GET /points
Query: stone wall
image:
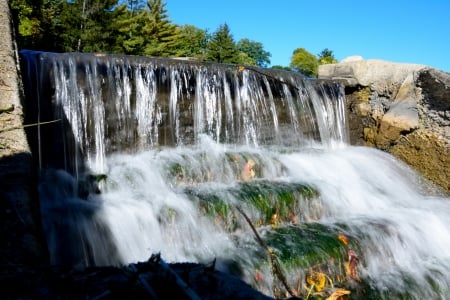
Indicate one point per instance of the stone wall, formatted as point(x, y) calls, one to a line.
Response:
point(20, 230)
point(403, 109)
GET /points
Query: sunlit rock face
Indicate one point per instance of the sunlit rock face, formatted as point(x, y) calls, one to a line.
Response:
point(401, 108)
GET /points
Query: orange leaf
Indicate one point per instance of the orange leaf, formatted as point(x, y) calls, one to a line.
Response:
point(337, 294)
point(343, 239)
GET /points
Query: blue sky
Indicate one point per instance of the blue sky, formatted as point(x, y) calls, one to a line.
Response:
point(396, 30)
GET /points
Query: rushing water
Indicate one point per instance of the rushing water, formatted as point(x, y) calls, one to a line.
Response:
point(174, 140)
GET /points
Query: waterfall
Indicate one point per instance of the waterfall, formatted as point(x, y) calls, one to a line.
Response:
point(153, 155)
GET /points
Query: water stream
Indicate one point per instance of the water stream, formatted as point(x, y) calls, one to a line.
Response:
point(154, 156)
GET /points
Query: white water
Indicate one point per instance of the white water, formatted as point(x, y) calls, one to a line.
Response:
point(404, 234)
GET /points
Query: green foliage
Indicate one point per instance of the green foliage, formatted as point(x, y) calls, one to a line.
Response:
point(193, 42)
point(222, 47)
point(278, 67)
point(304, 62)
point(26, 15)
point(307, 245)
point(126, 27)
point(326, 57)
point(254, 51)
point(138, 27)
point(85, 25)
point(159, 33)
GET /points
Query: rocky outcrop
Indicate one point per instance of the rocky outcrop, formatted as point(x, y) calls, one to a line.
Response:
point(20, 234)
point(400, 108)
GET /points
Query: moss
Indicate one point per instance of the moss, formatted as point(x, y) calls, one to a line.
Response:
point(307, 252)
point(307, 245)
point(275, 201)
point(272, 203)
point(362, 95)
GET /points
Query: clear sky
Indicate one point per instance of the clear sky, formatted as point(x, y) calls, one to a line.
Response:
point(414, 31)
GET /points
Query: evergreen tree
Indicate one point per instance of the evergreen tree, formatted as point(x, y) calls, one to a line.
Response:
point(127, 27)
point(326, 57)
point(134, 6)
point(159, 33)
point(222, 47)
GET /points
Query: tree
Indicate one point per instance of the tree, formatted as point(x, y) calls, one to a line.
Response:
point(134, 6)
point(26, 14)
point(304, 62)
point(242, 58)
point(222, 47)
point(255, 51)
point(279, 67)
point(159, 33)
point(326, 57)
point(192, 42)
point(86, 25)
point(127, 27)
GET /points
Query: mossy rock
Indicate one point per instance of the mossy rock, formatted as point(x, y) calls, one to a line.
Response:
point(277, 202)
point(314, 258)
point(266, 202)
point(309, 244)
point(226, 167)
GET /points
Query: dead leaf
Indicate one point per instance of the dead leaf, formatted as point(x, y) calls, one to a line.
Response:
point(338, 294)
point(343, 239)
point(248, 171)
point(316, 279)
point(352, 264)
point(258, 276)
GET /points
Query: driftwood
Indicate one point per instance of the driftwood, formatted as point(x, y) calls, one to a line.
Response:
point(274, 263)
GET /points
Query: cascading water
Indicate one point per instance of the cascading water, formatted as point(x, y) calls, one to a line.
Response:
point(154, 155)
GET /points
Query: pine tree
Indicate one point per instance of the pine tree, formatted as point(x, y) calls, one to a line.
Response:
point(159, 33)
point(222, 47)
point(127, 27)
point(326, 56)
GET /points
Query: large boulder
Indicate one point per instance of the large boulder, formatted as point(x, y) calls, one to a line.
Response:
point(400, 108)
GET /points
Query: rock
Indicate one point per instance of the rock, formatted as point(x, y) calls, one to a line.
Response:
point(400, 108)
point(352, 58)
point(20, 231)
point(153, 279)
